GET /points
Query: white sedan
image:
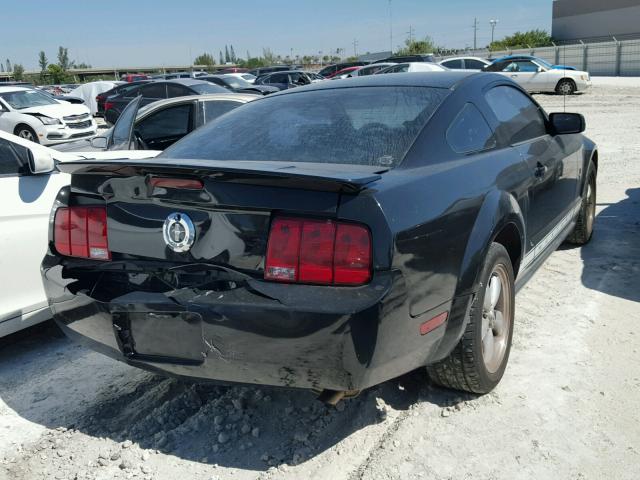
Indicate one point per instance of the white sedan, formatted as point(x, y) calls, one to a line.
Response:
point(413, 67)
point(537, 75)
point(35, 116)
point(29, 184)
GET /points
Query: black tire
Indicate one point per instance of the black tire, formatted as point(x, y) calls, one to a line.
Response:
point(566, 86)
point(26, 132)
point(583, 231)
point(466, 368)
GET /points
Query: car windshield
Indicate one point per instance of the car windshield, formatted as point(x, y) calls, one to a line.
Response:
point(235, 82)
point(27, 99)
point(363, 126)
point(204, 88)
point(248, 76)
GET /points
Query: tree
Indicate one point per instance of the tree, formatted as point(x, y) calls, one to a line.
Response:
point(416, 47)
point(227, 58)
point(529, 39)
point(63, 58)
point(232, 54)
point(221, 58)
point(1, 67)
point(81, 65)
point(58, 75)
point(18, 72)
point(43, 61)
point(9, 68)
point(204, 59)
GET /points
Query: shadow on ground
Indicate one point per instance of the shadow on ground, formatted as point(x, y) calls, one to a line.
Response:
point(611, 260)
point(233, 426)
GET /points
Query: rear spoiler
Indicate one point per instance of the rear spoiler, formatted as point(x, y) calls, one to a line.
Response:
point(312, 176)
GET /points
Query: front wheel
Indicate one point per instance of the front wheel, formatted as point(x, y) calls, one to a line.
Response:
point(566, 87)
point(26, 132)
point(478, 362)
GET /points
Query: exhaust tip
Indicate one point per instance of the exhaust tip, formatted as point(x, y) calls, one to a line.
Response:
point(332, 397)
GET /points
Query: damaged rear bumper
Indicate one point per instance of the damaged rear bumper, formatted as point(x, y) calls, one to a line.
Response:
point(233, 328)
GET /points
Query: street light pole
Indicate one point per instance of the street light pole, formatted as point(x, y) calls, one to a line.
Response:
point(493, 23)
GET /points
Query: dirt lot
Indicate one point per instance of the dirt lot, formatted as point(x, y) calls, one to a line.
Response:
point(567, 408)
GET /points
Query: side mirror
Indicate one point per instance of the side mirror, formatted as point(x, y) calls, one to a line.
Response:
point(99, 142)
point(41, 162)
point(567, 123)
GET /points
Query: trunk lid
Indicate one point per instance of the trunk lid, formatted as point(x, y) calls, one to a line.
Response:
point(230, 215)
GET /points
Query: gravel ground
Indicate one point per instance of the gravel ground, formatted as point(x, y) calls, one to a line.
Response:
point(567, 408)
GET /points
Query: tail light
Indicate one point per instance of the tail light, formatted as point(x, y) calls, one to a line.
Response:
point(82, 232)
point(322, 252)
point(108, 106)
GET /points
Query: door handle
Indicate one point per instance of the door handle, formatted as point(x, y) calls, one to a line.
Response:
point(540, 170)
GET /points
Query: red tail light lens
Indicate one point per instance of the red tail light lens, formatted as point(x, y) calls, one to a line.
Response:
point(108, 106)
point(353, 255)
point(322, 252)
point(82, 232)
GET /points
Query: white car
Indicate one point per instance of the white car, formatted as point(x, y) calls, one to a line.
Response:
point(29, 184)
point(413, 67)
point(245, 76)
point(537, 75)
point(465, 63)
point(371, 69)
point(34, 115)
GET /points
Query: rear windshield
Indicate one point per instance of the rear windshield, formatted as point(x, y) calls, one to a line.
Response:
point(362, 126)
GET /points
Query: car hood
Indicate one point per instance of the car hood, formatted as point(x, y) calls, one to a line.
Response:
point(563, 67)
point(58, 110)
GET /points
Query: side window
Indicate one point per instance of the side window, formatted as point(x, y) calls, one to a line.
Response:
point(154, 90)
point(14, 159)
point(215, 108)
point(472, 64)
point(469, 131)
point(454, 64)
point(520, 118)
point(526, 66)
point(174, 90)
point(279, 78)
point(166, 123)
point(498, 66)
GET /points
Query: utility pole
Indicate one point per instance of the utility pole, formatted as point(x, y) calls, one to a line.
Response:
point(390, 28)
point(410, 33)
point(493, 23)
point(355, 47)
point(475, 34)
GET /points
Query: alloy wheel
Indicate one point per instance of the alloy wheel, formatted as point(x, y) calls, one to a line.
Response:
point(26, 134)
point(496, 311)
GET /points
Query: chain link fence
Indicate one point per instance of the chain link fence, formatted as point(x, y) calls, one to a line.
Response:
point(611, 58)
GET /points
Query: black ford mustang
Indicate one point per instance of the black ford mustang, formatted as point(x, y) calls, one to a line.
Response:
point(330, 237)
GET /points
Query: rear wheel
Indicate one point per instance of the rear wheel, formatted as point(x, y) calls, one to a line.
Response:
point(566, 87)
point(478, 362)
point(583, 230)
point(26, 132)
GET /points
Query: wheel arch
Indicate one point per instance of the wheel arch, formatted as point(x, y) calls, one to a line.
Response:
point(500, 219)
point(575, 85)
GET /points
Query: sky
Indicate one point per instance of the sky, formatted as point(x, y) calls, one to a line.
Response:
point(161, 32)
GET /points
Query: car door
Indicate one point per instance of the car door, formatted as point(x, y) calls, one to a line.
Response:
point(121, 137)
point(25, 204)
point(553, 161)
point(163, 127)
